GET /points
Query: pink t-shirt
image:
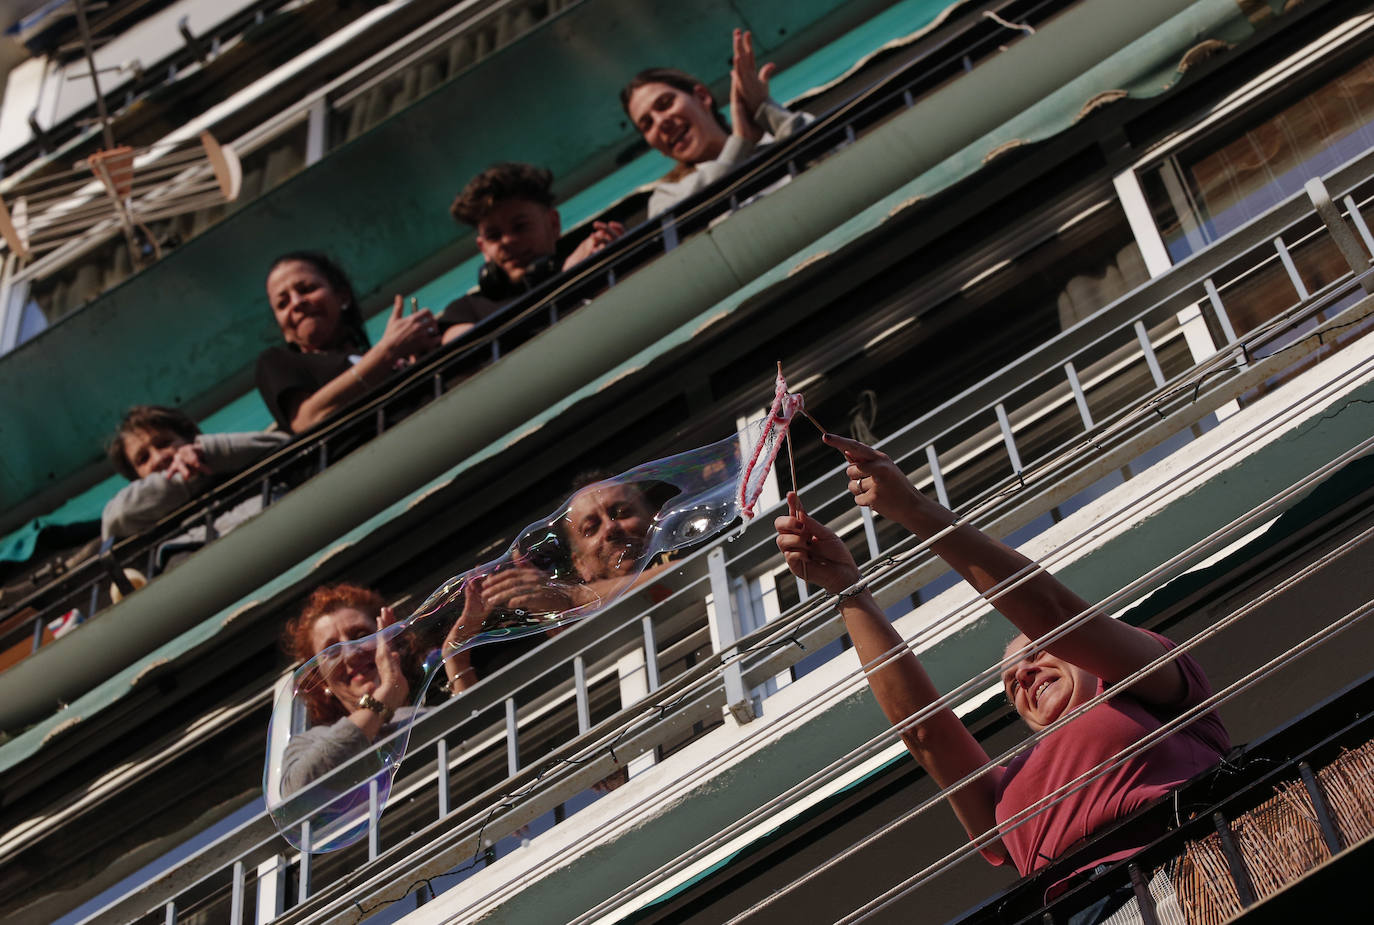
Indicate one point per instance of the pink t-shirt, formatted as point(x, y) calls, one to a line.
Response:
point(1088, 741)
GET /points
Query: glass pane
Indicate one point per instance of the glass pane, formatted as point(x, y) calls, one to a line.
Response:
point(1239, 173)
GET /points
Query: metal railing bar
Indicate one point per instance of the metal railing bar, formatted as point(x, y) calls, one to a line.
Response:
point(442, 775)
point(1008, 439)
point(374, 812)
point(936, 476)
point(512, 738)
point(1147, 349)
point(726, 630)
point(1290, 268)
point(870, 533)
point(650, 654)
point(1336, 227)
point(303, 881)
point(236, 895)
point(584, 711)
point(1357, 217)
point(1081, 400)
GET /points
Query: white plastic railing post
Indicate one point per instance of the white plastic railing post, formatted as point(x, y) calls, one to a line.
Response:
point(724, 633)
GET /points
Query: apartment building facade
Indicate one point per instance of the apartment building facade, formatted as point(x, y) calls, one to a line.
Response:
point(1095, 274)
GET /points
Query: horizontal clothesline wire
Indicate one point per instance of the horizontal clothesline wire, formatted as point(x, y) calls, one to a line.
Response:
point(1233, 345)
point(155, 184)
point(52, 189)
point(1147, 741)
point(976, 602)
point(1046, 803)
point(775, 623)
point(152, 211)
point(979, 681)
point(1124, 683)
point(143, 193)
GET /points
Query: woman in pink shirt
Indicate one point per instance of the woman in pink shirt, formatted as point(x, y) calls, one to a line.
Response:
point(1042, 687)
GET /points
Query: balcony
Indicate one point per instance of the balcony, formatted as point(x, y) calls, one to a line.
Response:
point(656, 689)
point(455, 796)
point(954, 49)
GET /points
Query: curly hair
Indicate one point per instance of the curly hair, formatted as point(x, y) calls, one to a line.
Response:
point(320, 705)
point(149, 418)
point(502, 183)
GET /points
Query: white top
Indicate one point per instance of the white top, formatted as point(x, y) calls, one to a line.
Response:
point(781, 123)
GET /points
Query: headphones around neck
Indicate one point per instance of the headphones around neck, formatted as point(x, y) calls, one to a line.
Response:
point(493, 282)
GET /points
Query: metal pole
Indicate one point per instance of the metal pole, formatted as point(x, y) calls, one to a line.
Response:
point(95, 80)
point(512, 738)
point(725, 632)
point(1341, 234)
point(584, 710)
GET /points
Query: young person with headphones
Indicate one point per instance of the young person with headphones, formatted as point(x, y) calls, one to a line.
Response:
point(511, 207)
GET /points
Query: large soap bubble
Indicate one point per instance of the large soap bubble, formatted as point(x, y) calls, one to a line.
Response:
point(327, 760)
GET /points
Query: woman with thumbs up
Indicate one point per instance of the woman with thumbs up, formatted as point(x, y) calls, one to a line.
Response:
point(327, 361)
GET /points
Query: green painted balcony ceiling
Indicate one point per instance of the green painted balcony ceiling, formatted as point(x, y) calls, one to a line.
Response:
point(379, 204)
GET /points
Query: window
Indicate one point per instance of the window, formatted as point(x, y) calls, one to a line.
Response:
point(1232, 176)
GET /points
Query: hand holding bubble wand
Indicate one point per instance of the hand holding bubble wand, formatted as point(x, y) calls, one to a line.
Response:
point(776, 429)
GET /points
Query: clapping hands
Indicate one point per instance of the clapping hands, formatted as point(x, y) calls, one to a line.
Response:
point(392, 686)
point(748, 87)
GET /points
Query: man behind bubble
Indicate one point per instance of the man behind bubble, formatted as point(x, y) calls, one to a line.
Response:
point(595, 548)
point(606, 527)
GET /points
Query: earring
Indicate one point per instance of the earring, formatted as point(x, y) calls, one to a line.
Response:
point(328, 692)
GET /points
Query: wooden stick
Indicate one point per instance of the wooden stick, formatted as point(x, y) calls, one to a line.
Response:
point(815, 423)
point(792, 465)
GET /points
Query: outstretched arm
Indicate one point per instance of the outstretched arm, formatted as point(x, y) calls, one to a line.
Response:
point(1107, 648)
point(941, 744)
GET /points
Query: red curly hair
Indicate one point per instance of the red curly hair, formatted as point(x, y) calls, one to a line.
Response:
point(321, 706)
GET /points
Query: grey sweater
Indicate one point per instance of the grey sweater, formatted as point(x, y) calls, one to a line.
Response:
point(144, 502)
point(316, 751)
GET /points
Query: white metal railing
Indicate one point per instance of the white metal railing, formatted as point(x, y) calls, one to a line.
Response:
point(426, 835)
